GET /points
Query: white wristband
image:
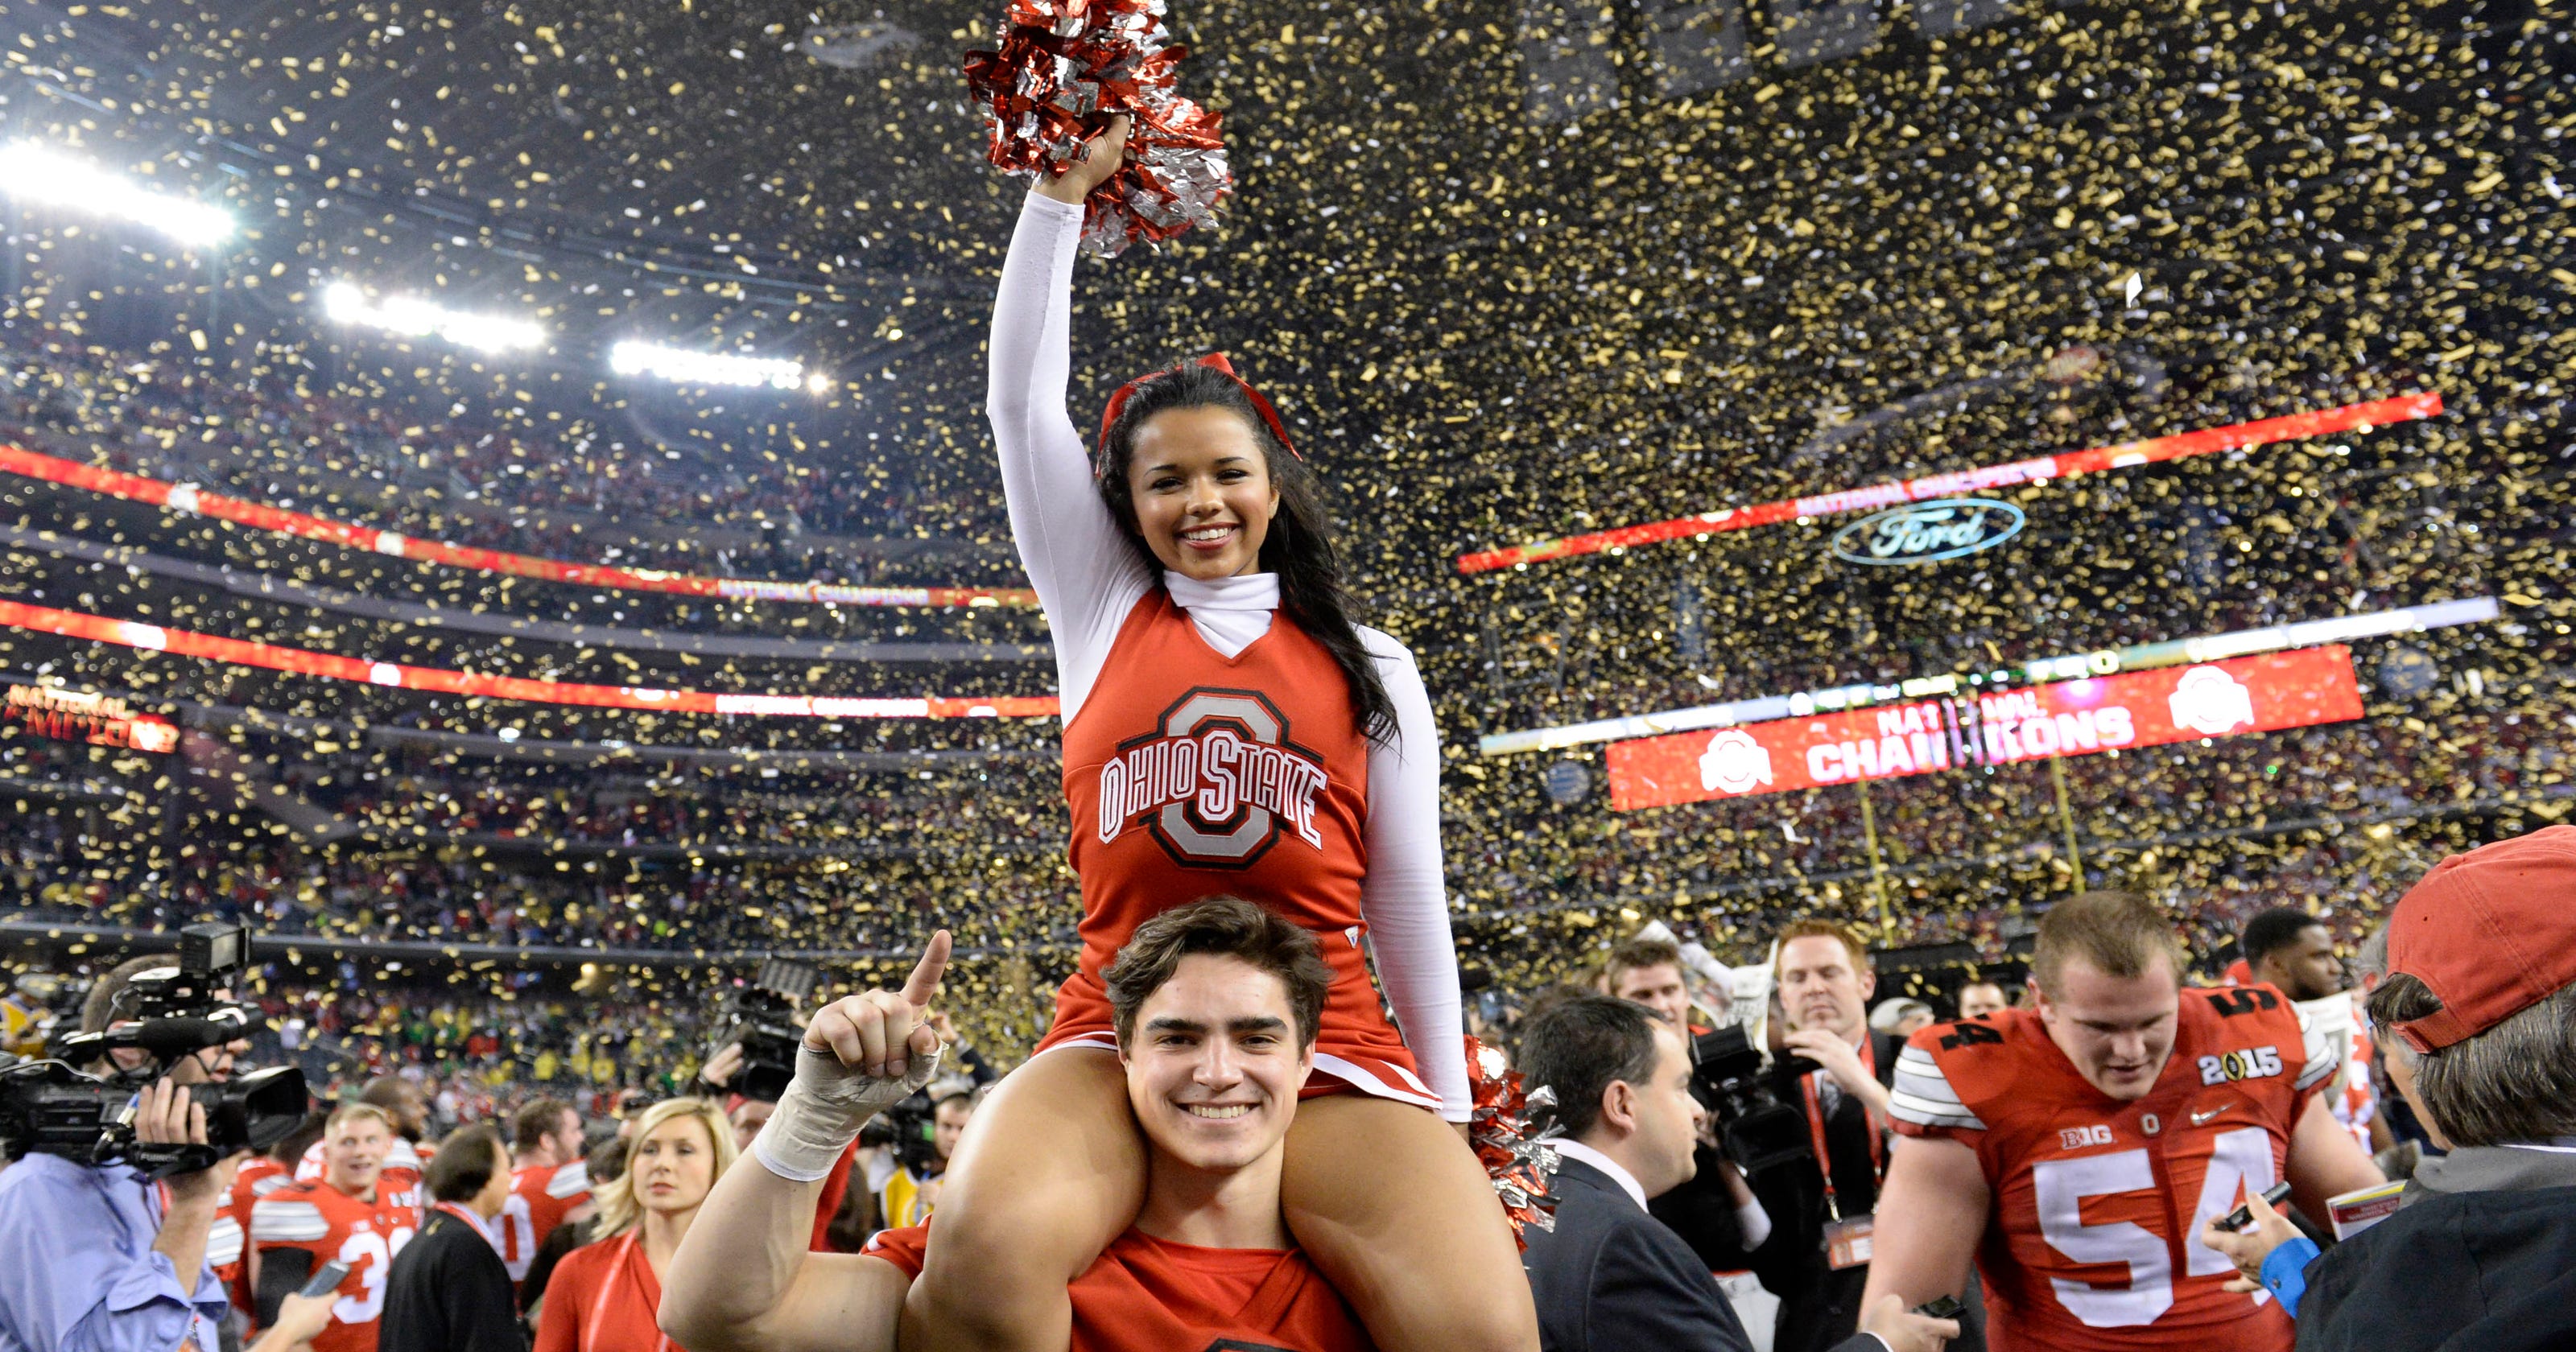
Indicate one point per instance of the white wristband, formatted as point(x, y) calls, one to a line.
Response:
point(823, 1109)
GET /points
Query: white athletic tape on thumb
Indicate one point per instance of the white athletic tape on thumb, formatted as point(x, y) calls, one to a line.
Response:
point(823, 1109)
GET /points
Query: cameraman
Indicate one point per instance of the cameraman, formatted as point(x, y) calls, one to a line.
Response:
point(99, 1257)
point(1817, 1258)
point(911, 1192)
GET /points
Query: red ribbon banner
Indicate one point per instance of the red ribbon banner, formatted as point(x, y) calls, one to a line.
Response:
point(2180, 446)
point(332, 666)
point(278, 520)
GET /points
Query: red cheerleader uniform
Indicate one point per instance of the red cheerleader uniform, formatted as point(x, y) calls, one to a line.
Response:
point(1192, 774)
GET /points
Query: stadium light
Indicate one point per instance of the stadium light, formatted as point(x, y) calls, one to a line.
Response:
point(39, 173)
point(683, 367)
point(415, 318)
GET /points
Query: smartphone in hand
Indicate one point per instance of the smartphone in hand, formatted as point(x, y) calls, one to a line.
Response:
point(325, 1281)
point(2243, 1216)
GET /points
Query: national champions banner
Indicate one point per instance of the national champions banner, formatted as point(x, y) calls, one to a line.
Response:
point(2265, 693)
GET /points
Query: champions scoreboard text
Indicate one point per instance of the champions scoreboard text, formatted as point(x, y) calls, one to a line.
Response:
point(2266, 693)
point(78, 716)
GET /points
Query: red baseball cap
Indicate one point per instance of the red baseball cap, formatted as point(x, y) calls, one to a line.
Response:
point(2493, 932)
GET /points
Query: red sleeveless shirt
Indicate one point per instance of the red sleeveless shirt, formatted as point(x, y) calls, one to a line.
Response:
point(1191, 774)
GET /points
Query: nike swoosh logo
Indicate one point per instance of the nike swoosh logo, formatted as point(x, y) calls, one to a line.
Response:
point(2203, 1119)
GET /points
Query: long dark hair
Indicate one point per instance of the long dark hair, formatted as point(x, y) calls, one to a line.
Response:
point(1297, 548)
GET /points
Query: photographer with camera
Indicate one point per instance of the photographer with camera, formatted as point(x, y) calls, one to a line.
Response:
point(752, 1059)
point(1835, 1071)
point(921, 1150)
point(106, 1222)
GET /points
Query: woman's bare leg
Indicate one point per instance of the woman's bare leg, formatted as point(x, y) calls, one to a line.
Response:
point(1048, 1172)
point(1394, 1209)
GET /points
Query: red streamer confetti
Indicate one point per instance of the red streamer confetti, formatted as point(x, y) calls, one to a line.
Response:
point(333, 666)
point(1065, 68)
point(277, 520)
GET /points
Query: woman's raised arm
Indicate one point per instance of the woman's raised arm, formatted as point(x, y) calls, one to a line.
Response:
point(1086, 574)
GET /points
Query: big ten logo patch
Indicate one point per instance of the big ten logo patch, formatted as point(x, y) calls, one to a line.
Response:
point(1216, 783)
point(2078, 1138)
point(2245, 1063)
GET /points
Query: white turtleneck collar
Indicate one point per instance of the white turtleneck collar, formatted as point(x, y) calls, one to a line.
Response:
point(1230, 612)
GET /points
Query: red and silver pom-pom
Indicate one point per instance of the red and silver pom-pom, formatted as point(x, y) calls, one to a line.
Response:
point(1065, 68)
point(1519, 1159)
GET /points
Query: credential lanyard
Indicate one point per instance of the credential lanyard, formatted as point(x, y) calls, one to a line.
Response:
point(619, 1274)
point(1816, 1129)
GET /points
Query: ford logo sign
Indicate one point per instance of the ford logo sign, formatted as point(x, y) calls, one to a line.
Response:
point(1928, 532)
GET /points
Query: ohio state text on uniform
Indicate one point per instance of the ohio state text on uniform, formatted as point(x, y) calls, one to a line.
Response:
point(1191, 774)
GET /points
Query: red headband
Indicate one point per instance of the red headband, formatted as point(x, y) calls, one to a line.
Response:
point(1215, 361)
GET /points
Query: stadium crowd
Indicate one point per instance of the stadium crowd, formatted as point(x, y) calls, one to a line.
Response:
point(2033, 235)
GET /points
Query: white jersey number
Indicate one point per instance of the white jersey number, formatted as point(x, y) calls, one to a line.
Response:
point(2240, 1162)
point(370, 1257)
point(518, 1237)
point(2062, 1186)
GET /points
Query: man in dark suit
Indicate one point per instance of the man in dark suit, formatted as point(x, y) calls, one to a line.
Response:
point(1609, 1276)
point(449, 1291)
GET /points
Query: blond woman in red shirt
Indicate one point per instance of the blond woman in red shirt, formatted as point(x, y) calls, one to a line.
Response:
point(604, 1295)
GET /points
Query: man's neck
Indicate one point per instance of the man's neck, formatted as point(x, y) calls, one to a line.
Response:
point(539, 1158)
point(366, 1194)
point(1215, 1209)
point(1619, 1150)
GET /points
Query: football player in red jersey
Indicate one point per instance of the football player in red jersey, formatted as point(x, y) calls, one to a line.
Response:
point(228, 1244)
point(550, 1185)
point(2078, 1148)
point(345, 1216)
point(1217, 1006)
point(407, 1108)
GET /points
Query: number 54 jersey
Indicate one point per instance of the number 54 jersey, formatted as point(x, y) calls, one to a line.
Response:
point(2093, 1239)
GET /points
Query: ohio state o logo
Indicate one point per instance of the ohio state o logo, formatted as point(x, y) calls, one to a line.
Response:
point(1216, 784)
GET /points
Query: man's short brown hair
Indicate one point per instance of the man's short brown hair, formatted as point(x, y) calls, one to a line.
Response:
point(1824, 929)
point(465, 1163)
point(98, 1008)
point(1632, 954)
point(537, 1119)
point(1225, 927)
point(2118, 934)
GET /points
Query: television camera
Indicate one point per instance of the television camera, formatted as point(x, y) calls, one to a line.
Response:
point(58, 1106)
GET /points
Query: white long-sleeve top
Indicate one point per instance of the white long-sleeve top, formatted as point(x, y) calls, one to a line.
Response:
point(1088, 578)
